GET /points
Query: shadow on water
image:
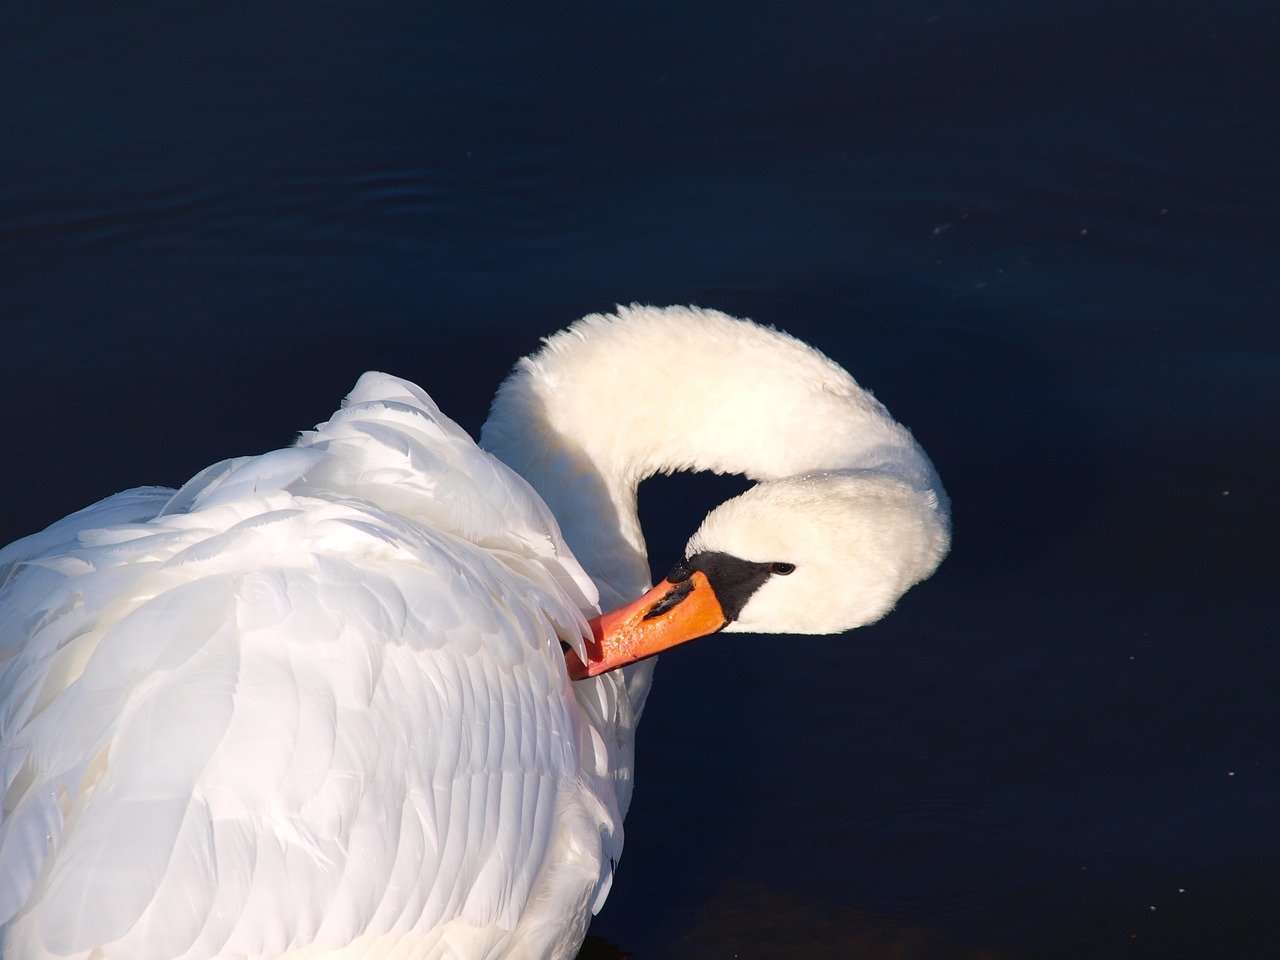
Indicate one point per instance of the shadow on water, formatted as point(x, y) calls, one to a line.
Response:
point(893, 851)
point(753, 922)
point(598, 948)
point(749, 921)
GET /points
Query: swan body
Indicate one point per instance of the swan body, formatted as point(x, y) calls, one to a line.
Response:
point(317, 704)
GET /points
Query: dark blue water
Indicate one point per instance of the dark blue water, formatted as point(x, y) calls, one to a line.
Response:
point(1045, 235)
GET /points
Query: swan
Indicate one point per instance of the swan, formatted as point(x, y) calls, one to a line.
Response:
point(355, 698)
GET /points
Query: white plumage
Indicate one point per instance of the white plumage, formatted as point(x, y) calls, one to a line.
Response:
point(314, 703)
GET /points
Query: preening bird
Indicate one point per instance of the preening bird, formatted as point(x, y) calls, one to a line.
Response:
point(355, 698)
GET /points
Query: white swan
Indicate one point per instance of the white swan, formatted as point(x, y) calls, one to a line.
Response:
point(314, 703)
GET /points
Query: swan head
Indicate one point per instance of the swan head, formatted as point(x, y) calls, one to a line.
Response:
point(814, 554)
point(843, 547)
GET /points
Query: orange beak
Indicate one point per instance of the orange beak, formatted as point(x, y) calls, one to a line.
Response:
point(669, 614)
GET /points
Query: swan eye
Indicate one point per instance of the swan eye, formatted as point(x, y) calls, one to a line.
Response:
point(781, 568)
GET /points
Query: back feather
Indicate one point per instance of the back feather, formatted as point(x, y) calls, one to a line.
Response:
point(312, 696)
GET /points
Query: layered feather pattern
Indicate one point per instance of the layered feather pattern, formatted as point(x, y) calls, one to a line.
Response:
point(311, 704)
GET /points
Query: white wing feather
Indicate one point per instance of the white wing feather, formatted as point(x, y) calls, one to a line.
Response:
point(313, 700)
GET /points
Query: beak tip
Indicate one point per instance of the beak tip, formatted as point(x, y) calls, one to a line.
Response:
point(634, 632)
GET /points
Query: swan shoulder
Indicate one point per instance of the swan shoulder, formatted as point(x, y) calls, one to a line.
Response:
point(310, 696)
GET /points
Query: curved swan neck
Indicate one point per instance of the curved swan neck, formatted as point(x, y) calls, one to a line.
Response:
point(613, 400)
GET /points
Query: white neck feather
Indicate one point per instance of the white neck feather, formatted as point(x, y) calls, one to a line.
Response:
point(615, 399)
